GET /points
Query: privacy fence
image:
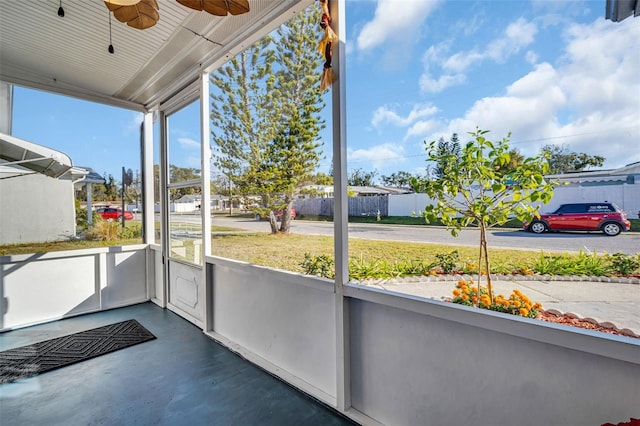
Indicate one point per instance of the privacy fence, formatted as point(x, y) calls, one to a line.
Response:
point(358, 206)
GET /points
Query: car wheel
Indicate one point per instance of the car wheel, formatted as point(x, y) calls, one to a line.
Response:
point(537, 227)
point(611, 229)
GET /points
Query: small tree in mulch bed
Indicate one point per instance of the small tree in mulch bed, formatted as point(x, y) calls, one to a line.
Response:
point(480, 184)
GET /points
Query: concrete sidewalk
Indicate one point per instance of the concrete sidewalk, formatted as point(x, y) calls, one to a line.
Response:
point(616, 303)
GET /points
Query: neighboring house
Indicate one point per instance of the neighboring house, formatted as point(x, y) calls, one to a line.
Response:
point(36, 193)
point(87, 177)
point(186, 203)
point(620, 186)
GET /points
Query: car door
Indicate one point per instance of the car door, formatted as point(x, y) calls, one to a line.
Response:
point(595, 215)
point(567, 217)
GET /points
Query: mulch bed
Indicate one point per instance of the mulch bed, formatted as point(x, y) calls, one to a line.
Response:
point(578, 322)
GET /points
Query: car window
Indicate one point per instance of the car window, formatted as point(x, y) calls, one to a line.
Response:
point(572, 208)
point(600, 208)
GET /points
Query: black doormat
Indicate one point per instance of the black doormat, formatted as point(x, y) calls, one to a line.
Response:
point(31, 360)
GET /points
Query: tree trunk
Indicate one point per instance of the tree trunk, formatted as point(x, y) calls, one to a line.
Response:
point(273, 222)
point(285, 221)
point(483, 246)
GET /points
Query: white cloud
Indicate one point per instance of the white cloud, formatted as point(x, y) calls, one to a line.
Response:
point(516, 36)
point(376, 157)
point(134, 124)
point(429, 84)
point(189, 143)
point(394, 20)
point(531, 57)
point(394, 31)
point(421, 128)
point(385, 115)
point(589, 102)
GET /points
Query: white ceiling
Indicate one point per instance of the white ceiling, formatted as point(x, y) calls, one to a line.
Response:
point(68, 55)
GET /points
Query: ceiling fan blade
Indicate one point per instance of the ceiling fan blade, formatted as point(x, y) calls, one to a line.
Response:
point(218, 7)
point(238, 7)
point(141, 15)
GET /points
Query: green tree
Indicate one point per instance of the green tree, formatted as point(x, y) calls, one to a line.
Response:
point(111, 189)
point(289, 162)
point(359, 177)
point(258, 94)
point(448, 153)
point(561, 160)
point(183, 174)
point(398, 180)
point(480, 191)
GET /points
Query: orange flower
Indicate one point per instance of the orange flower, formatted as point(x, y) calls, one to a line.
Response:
point(524, 312)
point(456, 292)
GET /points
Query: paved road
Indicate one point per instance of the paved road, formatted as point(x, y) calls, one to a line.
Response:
point(628, 243)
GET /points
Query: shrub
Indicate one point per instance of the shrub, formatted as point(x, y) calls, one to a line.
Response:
point(321, 266)
point(82, 221)
point(111, 231)
point(102, 231)
point(624, 264)
point(448, 261)
point(467, 294)
point(580, 264)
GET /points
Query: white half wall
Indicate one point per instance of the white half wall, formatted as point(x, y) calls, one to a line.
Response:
point(279, 320)
point(43, 287)
point(411, 368)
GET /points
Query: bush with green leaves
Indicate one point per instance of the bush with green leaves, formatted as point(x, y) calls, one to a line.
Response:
point(103, 230)
point(82, 221)
point(321, 266)
point(624, 264)
point(448, 261)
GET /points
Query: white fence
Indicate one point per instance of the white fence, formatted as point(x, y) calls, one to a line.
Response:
point(627, 196)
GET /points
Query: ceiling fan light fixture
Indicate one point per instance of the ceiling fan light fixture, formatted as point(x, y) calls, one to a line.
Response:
point(123, 2)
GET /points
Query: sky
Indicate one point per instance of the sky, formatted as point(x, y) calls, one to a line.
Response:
point(536, 72)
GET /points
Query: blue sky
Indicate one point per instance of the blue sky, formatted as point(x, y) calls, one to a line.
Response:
point(546, 71)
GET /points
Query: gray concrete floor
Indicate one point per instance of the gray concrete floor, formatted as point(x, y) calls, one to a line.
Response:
point(181, 378)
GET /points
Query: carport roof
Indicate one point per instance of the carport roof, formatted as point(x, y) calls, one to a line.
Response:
point(68, 55)
point(33, 156)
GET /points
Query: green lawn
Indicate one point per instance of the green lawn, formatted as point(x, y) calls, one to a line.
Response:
point(366, 256)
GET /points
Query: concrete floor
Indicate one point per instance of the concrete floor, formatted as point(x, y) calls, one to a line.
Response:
point(181, 378)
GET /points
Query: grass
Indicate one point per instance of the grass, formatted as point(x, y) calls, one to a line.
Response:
point(287, 251)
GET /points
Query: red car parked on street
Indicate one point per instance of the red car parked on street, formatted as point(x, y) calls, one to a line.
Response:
point(604, 217)
point(110, 214)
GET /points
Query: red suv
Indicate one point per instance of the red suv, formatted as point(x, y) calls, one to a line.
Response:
point(110, 214)
point(604, 217)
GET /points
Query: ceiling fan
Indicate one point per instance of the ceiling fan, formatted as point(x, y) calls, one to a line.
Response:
point(143, 14)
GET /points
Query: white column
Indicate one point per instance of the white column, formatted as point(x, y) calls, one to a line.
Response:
point(340, 215)
point(205, 205)
point(89, 203)
point(148, 202)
